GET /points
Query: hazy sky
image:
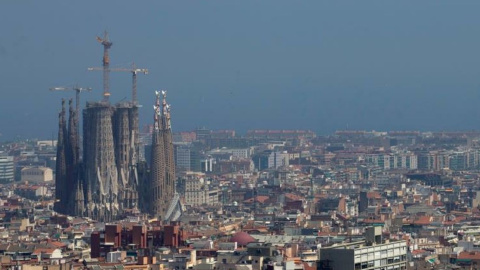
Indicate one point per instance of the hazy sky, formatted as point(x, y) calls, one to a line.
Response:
point(319, 65)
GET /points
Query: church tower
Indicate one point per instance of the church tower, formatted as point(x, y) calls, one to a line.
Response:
point(162, 168)
point(61, 193)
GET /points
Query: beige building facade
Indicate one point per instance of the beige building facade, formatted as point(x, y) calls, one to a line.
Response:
point(37, 174)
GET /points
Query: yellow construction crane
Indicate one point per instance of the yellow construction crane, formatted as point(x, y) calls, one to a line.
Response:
point(75, 88)
point(134, 70)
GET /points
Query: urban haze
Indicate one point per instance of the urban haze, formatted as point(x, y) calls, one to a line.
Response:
point(272, 135)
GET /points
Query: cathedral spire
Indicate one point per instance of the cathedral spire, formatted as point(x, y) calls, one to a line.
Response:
point(169, 123)
point(157, 114)
point(71, 157)
point(79, 199)
point(169, 182)
point(164, 110)
point(73, 133)
point(156, 182)
point(61, 165)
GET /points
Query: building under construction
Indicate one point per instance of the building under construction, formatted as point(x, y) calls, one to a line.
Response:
point(109, 181)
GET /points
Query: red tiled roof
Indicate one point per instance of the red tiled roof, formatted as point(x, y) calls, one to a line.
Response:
point(260, 199)
point(242, 238)
point(423, 220)
point(373, 195)
point(469, 255)
point(293, 197)
point(57, 244)
point(418, 251)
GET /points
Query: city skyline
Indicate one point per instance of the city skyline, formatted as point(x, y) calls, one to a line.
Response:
point(296, 135)
point(273, 65)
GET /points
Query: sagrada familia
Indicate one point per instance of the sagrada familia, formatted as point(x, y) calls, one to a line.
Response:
point(109, 181)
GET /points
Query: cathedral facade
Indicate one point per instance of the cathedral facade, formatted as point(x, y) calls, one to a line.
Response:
point(109, 181)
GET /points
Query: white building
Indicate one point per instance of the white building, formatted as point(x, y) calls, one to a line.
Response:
point(278, 159)
point(372, 254)
point(243, 153)
point(234, 153)
point(393, 161)
point(7, 169)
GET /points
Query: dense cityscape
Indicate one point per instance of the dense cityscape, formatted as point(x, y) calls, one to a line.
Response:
point(119, 196)
point(279, 199)
point(111, 191)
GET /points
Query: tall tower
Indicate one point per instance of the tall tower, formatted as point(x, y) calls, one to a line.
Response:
point(169, 191)
point(104, 184)
point(133, 158)
point(161, 184)
point(157, 166)
point(71, 157)
point(126, 149)
point(100, 173)
point(61, 166)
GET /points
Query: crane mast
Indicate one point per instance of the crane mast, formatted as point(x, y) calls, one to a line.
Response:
point(106, 65)
point(134, 70)
point(77, 90)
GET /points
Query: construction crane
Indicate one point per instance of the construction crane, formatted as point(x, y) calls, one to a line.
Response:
point(134, 70)
point(106, 63)
point(75, 88)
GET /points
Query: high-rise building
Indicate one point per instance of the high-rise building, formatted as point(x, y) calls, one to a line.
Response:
point(6, 169)
point(183, 156)
point(188, 157)
point(278, 159)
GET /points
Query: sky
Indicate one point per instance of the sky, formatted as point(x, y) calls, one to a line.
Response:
point(318, 65)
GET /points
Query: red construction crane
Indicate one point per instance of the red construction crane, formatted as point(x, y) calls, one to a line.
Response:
point(75, 88)
point(134, 70)
point(106, 63)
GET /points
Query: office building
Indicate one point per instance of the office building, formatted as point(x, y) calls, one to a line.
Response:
point(7, 169)
point(371, 254)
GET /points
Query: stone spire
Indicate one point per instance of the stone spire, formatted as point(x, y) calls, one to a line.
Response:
point(99, 167)
point(162, 167)
point(79, 199)
point(61, 166)
point(169, 186)
point(73, 140)
point(71, 157)
point(157, 166)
